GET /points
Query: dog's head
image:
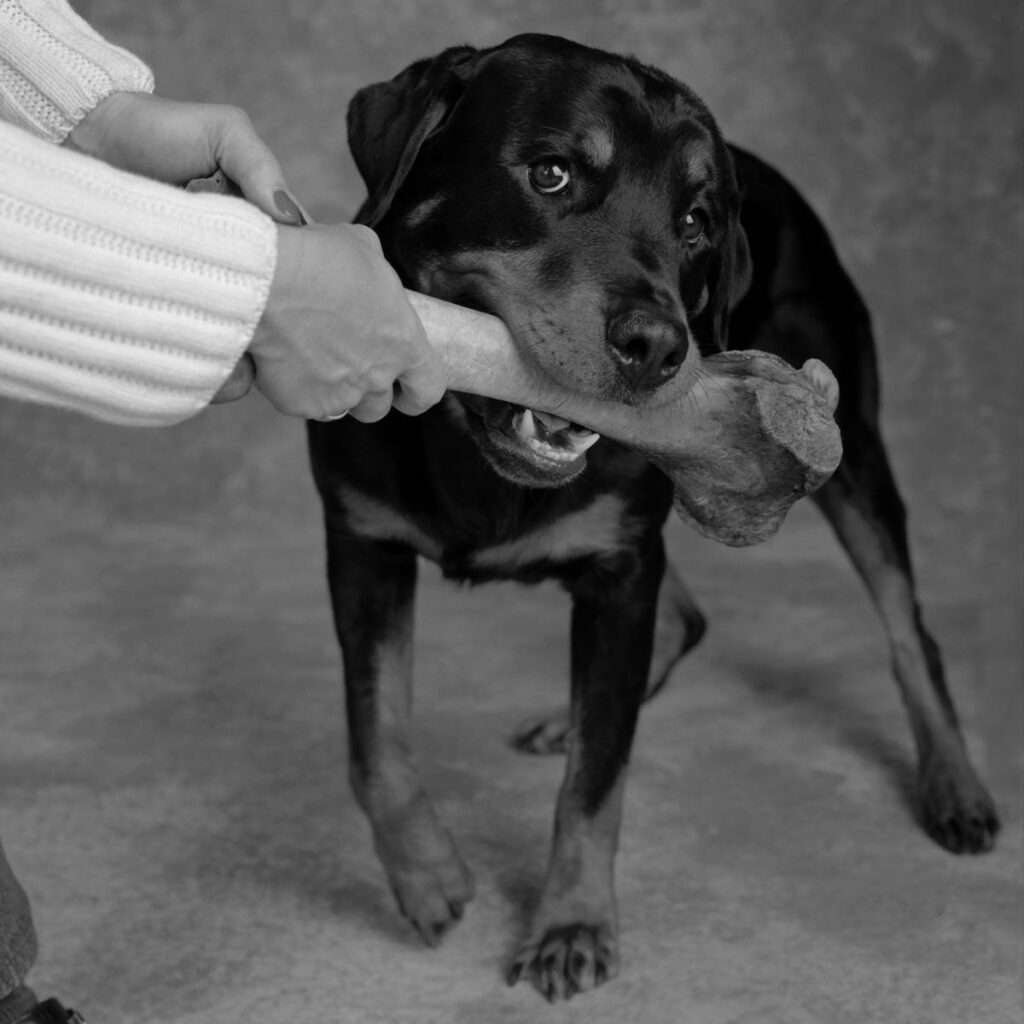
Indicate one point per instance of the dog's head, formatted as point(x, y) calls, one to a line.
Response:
point(585, 199)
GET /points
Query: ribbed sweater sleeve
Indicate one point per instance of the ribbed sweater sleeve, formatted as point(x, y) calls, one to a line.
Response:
point(120, 297)
point(54, 68)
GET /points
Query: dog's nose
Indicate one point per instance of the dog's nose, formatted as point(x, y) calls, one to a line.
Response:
point(648, 347)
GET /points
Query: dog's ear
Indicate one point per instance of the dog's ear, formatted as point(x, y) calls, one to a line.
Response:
point(741, 273)
point(729, 278)
point(733, 270)
point(389, 122)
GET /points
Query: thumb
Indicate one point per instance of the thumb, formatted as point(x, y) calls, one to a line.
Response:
point(247, 160)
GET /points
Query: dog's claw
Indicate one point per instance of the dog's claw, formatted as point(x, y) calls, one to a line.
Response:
point(430, 881)
point(971, 835)
point(956, 810)
point(567, 960)
point(544, 734)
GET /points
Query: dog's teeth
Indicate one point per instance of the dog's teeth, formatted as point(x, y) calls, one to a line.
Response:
point(550, 452)
point(558, 441)
point(581, 442)
point(524, 425)
point(551, 422)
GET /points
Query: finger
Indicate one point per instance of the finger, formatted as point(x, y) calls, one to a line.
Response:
point(238, 384)
point(422, 385)
point(417, 392)
point(368, 237)
point(373, 406)
point(217, 182)
point(248, 161)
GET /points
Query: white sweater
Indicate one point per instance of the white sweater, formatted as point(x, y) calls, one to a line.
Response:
point(120, 297)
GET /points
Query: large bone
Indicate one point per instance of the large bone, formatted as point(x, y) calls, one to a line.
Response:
point(741, 440)
point(741, 435)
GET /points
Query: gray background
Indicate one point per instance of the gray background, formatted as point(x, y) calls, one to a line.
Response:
point(171, 741)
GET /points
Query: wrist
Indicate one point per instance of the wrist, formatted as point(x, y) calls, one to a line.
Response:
point(98, 132)
point(281, 295)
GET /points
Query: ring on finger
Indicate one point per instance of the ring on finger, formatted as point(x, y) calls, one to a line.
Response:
point(336, 416)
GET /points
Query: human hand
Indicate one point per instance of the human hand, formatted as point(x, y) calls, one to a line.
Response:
point(338, 334)
point(175, 142)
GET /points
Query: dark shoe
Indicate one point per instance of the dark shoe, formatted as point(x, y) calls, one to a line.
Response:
point(51, 1012)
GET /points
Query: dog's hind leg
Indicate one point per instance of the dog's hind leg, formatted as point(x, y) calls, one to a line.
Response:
point(679, 627)
point(864, 507)
point(372, 588)
point(572, 944)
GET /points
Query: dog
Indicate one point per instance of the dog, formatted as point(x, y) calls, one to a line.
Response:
point(592, 204)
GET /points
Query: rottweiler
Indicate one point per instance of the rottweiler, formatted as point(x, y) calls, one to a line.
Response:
point(592, 204)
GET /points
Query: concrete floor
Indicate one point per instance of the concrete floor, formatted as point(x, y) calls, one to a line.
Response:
point(171, 738)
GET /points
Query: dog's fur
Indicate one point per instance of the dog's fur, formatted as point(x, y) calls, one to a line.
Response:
point(604, 286)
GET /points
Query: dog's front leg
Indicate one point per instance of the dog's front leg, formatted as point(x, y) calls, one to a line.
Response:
point(573, 940)
point(372, 591)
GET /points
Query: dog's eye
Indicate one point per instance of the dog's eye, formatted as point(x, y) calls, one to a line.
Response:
point(695, 223)
point(549, 176)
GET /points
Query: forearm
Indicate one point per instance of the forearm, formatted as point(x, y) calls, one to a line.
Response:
point(54, 68)
point(122, 298)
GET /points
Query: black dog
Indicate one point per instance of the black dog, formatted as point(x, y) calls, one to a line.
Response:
point(591, 203)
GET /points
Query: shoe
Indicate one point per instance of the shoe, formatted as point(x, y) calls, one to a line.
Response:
point(51, 1012)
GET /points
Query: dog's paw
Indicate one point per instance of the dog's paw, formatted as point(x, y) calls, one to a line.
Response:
point(956, 809)
point(567, 960)
point(428, 877)
point(543, 734)
point(432, 896)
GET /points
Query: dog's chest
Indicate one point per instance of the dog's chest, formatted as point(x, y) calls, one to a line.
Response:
point(468, 548)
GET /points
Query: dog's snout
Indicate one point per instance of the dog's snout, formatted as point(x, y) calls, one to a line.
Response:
point(648, 347)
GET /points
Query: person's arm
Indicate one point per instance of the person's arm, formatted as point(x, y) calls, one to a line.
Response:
point(123, 298)
point(118, 297)
point(55, 69)
point(132, 301)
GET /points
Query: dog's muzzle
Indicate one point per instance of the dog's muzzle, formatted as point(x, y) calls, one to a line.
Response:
point(648, 347)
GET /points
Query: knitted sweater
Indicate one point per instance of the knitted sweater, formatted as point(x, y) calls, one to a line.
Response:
point(120, 297)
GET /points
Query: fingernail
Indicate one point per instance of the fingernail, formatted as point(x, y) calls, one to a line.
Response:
point(288, 207)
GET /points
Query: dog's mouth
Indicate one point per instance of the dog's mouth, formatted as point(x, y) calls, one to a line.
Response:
point(528, 447)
